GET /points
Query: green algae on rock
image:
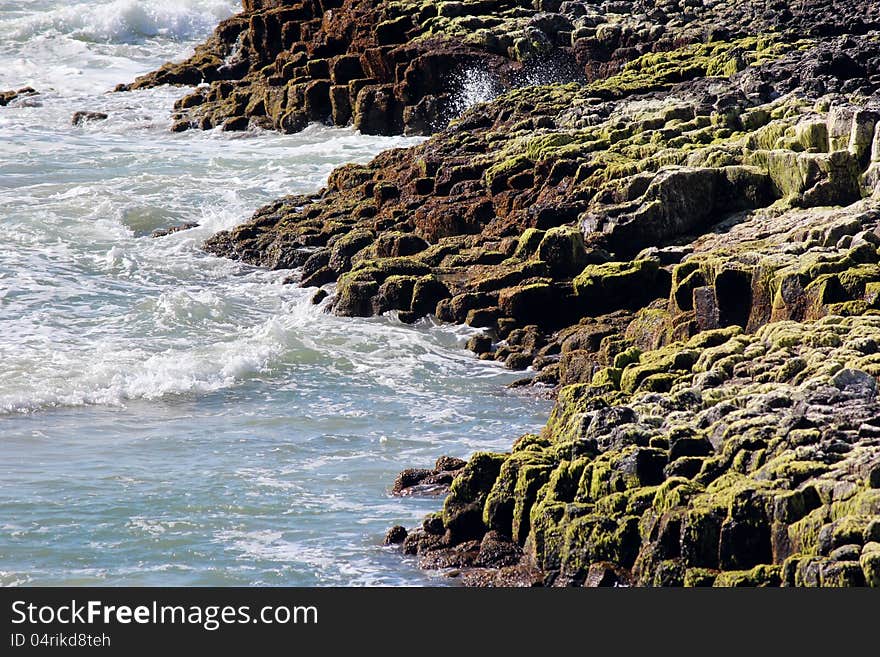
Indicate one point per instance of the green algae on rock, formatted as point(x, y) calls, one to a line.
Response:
point(520, 235)
point(725, 476)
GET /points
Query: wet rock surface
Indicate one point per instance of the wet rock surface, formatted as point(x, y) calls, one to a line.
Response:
point(677, 233)
point(423, 482)
point(83, 117)
point(7, 97)
point(171, 230)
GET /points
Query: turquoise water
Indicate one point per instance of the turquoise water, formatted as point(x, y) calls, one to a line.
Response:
point(171, 418)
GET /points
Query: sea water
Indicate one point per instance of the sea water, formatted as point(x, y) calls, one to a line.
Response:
point(172, 418)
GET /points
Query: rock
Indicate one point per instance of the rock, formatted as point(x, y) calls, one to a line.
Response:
point(317, 103)
point(531, 302)
point(497, 551)
point(856, 383)
point(399, 244)
point(518, 361)
point(870, 563)
point(434, 525)
point(81, 118)
point(615, 285)
point(679, 201)
point(842, 574)
point(376, 111)
point(353, 298)
point(760, 576)
point(563, 250)
point(293, 122)
point(393, 31)
point(409, 478)
point(7, 97)
point(461, 555)
point(395, 536)
point(480, 343)
point(346, 247)
point(873, 478)
point(846, 553)
point(463, 522)
point(236, 124)
point(427, 293)
point(321, 276)
point(413, 542)
point(606, 419)
point(162, 232)
point(394, 294)
point(602, 575)
point(423, 482)
point(346, 68)
point(482, 317)
point(315, 262)
point(449, 464)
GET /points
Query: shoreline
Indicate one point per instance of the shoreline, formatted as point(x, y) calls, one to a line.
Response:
point(681, 237)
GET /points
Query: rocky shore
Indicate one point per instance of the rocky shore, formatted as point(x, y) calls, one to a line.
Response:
point(668, 212)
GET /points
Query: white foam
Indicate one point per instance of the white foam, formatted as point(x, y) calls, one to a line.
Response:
point(123, 21)
point(90, 47)
point(109, 374)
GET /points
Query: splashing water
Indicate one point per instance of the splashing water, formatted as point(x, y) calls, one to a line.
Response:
point(474, 86)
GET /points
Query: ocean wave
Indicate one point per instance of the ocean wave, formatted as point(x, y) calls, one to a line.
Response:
point(124, 21)
point(192, 342)
point(111, 376)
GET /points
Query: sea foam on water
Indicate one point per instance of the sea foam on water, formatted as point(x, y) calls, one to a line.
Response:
point(121, 21)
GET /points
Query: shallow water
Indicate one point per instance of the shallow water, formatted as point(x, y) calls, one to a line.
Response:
point(171, 418)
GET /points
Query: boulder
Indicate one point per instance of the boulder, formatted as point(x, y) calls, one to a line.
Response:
point(81, 118)
point(679, 201)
